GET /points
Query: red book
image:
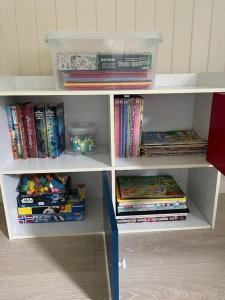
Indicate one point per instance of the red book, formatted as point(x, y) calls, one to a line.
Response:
point(30, 131)
point(22, 132)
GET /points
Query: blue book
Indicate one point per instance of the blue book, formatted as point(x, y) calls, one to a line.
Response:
point(55, 129)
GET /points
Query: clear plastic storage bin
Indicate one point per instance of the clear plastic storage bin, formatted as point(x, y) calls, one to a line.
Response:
point(84, 61)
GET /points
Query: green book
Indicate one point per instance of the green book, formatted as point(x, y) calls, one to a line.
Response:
point(149, 187)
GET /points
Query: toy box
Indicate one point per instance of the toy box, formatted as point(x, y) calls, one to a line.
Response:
point(73, 210)
point(42, 190)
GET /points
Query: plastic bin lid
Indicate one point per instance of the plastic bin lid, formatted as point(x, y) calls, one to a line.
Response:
point(67, 35)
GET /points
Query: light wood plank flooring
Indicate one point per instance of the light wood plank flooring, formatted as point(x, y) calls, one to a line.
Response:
point(168, 265)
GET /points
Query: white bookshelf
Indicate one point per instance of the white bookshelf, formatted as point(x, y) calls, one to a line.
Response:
point(177, 101)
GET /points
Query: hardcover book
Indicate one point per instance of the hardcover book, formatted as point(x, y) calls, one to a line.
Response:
point(152, 219)
point(41, 130)
point(144, 201)
point(17, 130)
point(156, 187)
point(12, 133)
point(22, 131)
point(55, 129)
point(30, 130)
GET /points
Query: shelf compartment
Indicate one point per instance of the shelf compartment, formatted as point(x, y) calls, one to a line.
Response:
point(92, 223)
point(63, 163)
point(201, 186)
point(195, 220)
point(162, 162)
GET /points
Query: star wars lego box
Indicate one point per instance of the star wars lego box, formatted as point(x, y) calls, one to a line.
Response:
point(73, 210)
point(43, 190)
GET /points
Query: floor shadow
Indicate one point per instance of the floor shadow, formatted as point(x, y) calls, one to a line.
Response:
point(73, 267)
point(3, 226)
point(82, 258)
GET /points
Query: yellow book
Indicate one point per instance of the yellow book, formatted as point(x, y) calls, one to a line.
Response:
point(147, 201)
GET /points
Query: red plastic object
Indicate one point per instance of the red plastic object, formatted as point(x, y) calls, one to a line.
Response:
point(216, 140)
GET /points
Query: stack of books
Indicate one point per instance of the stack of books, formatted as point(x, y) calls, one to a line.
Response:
point(104, 71)
point(143, 199)
point(178, 142)
point(36, 130)
point(128, 114)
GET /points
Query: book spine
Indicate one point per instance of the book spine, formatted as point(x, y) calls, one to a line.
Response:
point(120, 126)
point(12, 133)
point(136, 121)
point(28, 114)
point(22, 132)
point(17, 130)
point(51, 125)
point(116, 126)
point(133, 112)
point(125, 125)
point(140, 126)
point(60, 128)
point(41, 131)
point(55, 129)
point(151, 219)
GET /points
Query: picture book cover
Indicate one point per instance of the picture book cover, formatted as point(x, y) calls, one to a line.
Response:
point(22, 131)
point(12, 133)
point(55, 129)
point(41, 130)
point(124, 61)
point(160, 186)
point(146, 201)
point(17, 130)
point(30, 131)
point(171, 137)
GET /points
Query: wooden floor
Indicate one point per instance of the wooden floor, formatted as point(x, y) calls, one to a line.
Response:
point(160, 266)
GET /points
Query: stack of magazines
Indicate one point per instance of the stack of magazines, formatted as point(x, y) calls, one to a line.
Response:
point(178, 142)
point(143, 199)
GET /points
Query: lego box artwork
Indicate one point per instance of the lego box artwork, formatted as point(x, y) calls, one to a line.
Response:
point(42, 190)
point(73, 210)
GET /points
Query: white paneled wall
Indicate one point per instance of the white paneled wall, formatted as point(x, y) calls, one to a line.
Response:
point(192, 30)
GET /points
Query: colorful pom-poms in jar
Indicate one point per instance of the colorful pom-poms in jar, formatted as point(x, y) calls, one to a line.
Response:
point(83, 138)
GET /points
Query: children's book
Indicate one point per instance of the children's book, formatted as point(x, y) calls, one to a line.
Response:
point(41, 130)
point(17, 130)
point(30, 131)
point(171, 137)
point(146, 201)
point(145, 219)
point(156, 187)
point(22, 131)
point(12, 133)
point(55, 129)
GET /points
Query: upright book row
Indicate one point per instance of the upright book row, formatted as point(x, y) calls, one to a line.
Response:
point(36, 130)
point(128, 112)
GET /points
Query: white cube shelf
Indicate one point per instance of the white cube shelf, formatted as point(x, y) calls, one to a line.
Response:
point(176, 102)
